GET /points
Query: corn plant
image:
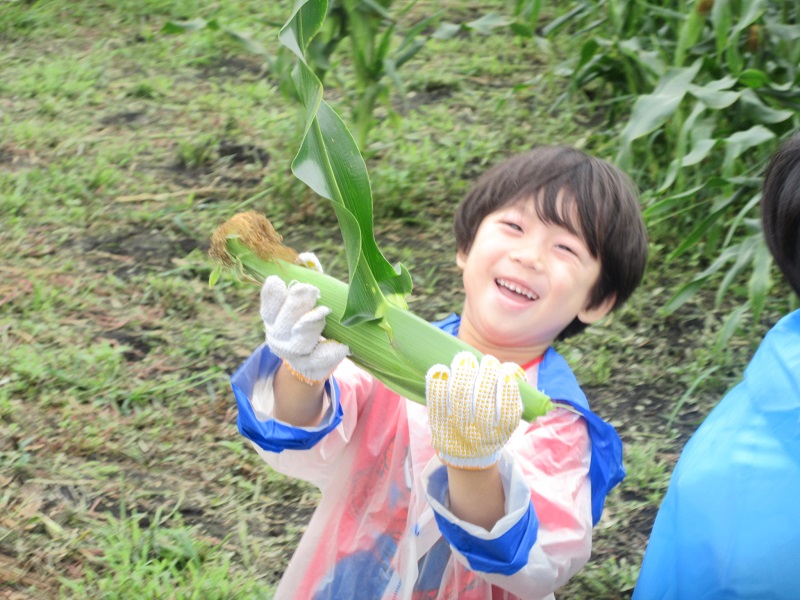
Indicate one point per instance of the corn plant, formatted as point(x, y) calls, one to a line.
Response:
point(713, 88)
point(370, 314)
point(379, 47)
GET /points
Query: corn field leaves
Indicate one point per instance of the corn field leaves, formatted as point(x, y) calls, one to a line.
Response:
point(760, 280)
point(697, 233)
point(411, 44)
point(754, 10)
point(745, 253)
point(689, 391)
point(716, 94)
point(740, 217)
point(446, 31)
point(721, 115)
point(686, 291)
point(330, 163)
point(758, 112)
point(684, 294)
point(700, 150)
point(489, 22)
point(728, 36)
point(754, 78)
point(721, 19)
point(729, 327)
point(672, 204)
point(651, 111)
point(718, 211)
point(378, 8)
point(362, 36)
point(191, 25)
point(558, 23)
point(198, 24)
point(688, 35)
point(741, 141)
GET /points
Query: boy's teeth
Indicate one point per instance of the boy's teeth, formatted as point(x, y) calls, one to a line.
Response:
point(517, 289)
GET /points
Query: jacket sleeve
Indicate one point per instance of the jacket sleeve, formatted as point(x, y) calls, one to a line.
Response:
point(545, 536)
point(306, 453)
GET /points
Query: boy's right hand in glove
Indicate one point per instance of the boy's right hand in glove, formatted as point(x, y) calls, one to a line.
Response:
point(293, 324)
point(473, 409)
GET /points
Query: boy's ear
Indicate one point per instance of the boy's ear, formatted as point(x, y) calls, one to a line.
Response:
point(461, 259)
point(595, 313)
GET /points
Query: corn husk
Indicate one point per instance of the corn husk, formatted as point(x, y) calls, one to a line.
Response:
point(398, 347)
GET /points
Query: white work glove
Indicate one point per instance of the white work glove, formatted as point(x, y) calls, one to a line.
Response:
point(473, 409)
point(293, 324)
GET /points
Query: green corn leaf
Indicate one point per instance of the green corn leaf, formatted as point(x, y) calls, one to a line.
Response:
point(213, 278)
point(247, 42)
point(374, 6)
point(699, 150)
point(741, 141)
point(729, 327)
point(701, 229)
point(400, 362)
point(386, 339)
point(688, 35)
point(744, 255)
point(192, 25)
point(754, 78)
point(758, 112)
point(721, 21)
point(716, 94)
point(361, 37)
point(674, 205)
point(740, 216)
point(683, 295)
point(651, 111)
point(330, 163)
point(688, 393)
point(413, 40)
point(558, 23)
point(489, 22)
point(446, 31)
point(760, 280)
point(754, 10)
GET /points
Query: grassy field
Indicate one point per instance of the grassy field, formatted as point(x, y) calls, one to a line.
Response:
point(123, 147)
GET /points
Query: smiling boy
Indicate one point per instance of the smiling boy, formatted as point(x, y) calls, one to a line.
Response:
point(460, 499)
point(526, 280)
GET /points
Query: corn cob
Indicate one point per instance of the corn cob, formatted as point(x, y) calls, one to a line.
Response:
point(398, 349)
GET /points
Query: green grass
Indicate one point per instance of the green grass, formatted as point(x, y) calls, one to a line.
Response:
point(122, 149)
point(154, 555)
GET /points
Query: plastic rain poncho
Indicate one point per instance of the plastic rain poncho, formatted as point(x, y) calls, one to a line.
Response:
point(729, 526)
point(383, 529)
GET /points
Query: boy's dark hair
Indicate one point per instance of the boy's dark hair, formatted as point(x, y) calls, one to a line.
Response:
point(609, 217)
point(780, 209)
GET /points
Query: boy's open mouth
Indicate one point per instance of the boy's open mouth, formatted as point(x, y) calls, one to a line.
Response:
point(516, 289)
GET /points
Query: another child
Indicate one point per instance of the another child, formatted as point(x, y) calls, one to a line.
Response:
point(728, 526)
point(459, 499)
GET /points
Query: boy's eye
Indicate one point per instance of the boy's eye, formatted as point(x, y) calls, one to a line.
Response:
point(512, 225)
point(569, 249)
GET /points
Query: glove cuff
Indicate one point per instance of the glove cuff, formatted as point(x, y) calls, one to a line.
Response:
point(472, 463)
point(299, 376)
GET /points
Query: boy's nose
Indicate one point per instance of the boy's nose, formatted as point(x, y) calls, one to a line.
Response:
point(529, 256)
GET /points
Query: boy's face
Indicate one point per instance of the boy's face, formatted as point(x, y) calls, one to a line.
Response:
point(525, 281)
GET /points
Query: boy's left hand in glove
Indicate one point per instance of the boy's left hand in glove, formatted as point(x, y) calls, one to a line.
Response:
point(473, 409)
point(293, 324)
